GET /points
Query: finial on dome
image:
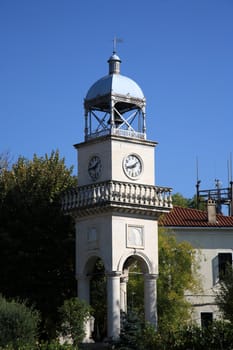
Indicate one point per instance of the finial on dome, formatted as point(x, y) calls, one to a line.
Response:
point(114, 61)
point(115, 41)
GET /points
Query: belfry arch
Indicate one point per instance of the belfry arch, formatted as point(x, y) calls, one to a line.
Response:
point(117, 205)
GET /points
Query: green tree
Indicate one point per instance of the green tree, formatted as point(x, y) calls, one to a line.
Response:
point(4, 161)
point(224, 295)
point(98, 300)
point(18, 324)
point(179, 200)
point(37, 239)
point(177, 274)
point(135, 289)
point(73, 315)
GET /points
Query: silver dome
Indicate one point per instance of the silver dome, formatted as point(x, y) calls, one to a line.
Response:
point(115, 84)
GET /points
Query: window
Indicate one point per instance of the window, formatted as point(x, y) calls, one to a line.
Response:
point(206, 319)
point(219, 265)
point(224, 259)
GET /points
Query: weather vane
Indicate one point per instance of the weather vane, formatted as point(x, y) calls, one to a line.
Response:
point(115, 42)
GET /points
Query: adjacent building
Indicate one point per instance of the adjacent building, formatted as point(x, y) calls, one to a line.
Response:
point(211, 234)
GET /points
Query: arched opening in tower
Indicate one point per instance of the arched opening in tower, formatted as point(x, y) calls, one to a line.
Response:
point(132, 284)
point(98, 300)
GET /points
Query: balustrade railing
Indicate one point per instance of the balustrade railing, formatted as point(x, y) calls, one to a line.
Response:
point(118, 132)
point(117, 192)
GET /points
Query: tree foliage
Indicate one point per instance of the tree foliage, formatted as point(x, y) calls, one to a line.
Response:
point(73, 314)
point(135, 289)
point(18, 324)
point(218, 336)
point(131, 332)
point(4, 161)
point(37, 239)
point(98, 300)
point(177, 274)
point(224, 295)
point(179, 200)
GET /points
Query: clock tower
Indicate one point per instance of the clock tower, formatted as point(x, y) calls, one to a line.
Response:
point(117, 205)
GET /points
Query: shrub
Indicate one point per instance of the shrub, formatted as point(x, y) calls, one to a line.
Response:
point(54, 345)
point(18, 324)
point(73, 315)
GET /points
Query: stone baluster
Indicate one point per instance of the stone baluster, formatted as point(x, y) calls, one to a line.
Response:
point(101, 192)
point(156, 197)
point(146, 195)
point(113, 191)
point(124, 193)
point(80, 202)
point(93, 194)
point(160, 198)
point(150, 196)
point(88, 195)
point(143, 195)
point(98, 193)
point(121, 190)
point(170, 198)
point(107, 191)
point(131, 197)
point(127, 192)
point(165, 199)
point(131, 193)
point(117, 189)
point(139, 194)
point(110, 186)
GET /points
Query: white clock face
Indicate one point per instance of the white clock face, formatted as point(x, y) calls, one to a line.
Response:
point(94, 168)
point(132, 166)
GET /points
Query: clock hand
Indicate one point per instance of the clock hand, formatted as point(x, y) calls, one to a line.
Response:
point(94, 166)
point(132, 165)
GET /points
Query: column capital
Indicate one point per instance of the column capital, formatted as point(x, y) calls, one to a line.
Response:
point(124, 279)
point(113, 274)
point(151, 276)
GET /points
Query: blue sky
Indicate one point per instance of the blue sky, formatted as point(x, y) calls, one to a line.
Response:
point(180, 52)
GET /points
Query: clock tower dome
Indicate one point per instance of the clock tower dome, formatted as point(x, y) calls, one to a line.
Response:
point(117, 205)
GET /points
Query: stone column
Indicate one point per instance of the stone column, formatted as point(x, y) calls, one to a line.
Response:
point(150, 298)
point(113, 293)
point(84, 287)
point(123, 293)
point(84, 294)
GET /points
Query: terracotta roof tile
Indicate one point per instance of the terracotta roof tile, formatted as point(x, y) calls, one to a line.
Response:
point(187, 217)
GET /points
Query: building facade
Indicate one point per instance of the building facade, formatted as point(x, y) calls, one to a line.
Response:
point(211, 235)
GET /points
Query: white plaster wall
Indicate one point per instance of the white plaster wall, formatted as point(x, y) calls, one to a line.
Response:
point(111, 245)
point(209, 242)
point(121, 251)
point(145, 151)
point(86, 249)
point(112, 152)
